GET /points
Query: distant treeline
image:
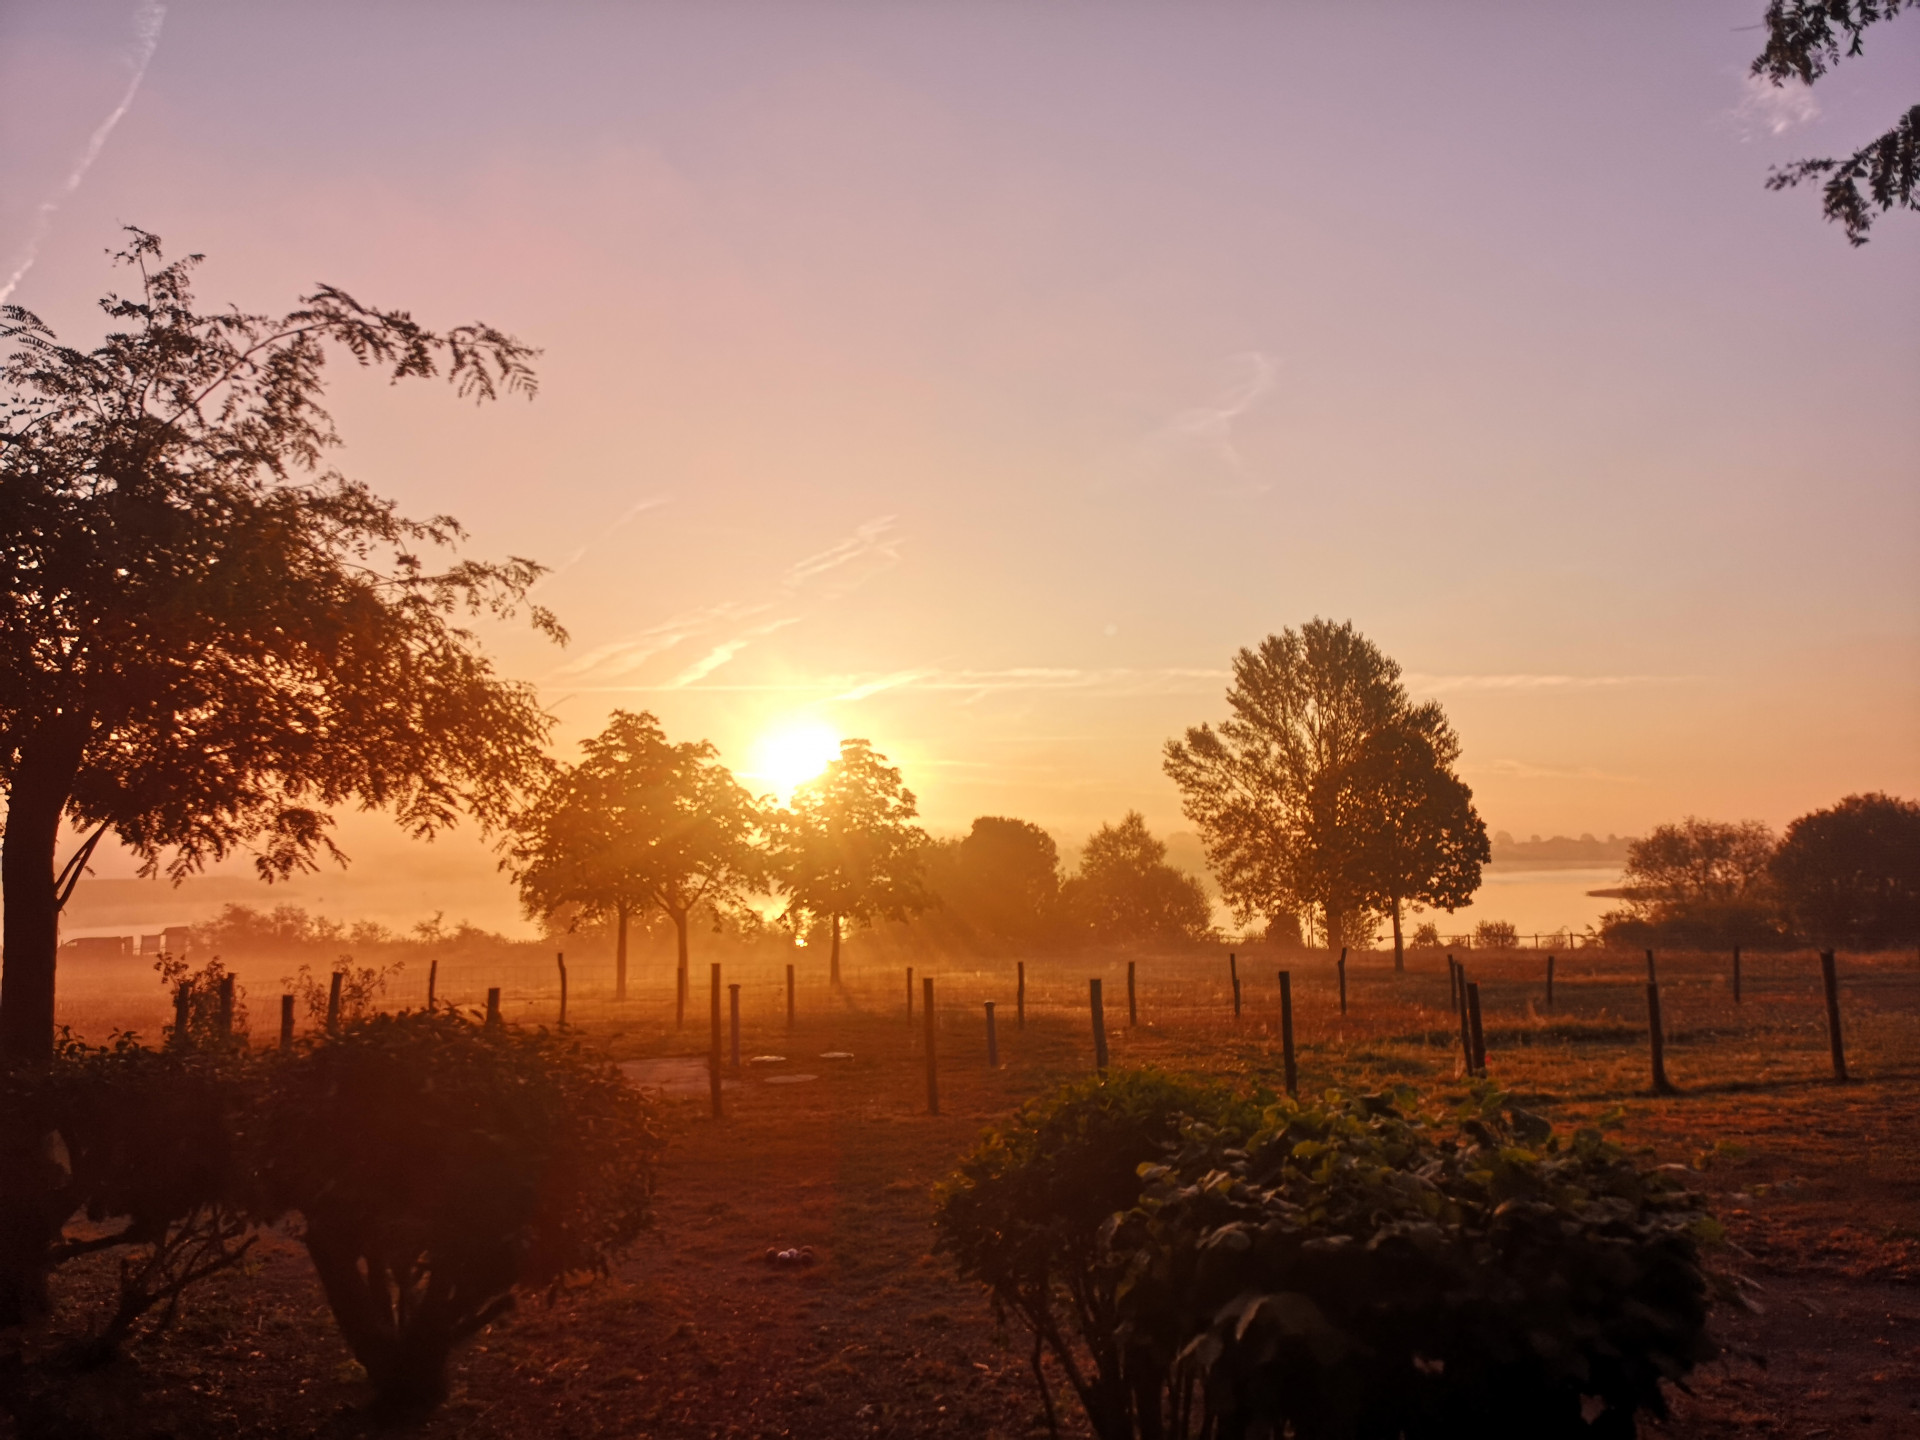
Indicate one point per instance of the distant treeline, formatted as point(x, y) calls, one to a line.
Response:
point(1849, 875)
point(1559, 850)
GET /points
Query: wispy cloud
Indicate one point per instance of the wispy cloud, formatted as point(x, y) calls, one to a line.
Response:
point(977, 684)
point(730, 627)
point(146, 30)
point(1525, 770)
point(1210, 425)
point(1445, 684)
point(1769, 109)
point(638, 508)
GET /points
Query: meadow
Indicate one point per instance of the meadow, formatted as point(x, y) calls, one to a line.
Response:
point(696, 1334)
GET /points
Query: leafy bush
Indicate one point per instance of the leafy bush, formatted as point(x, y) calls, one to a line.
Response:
point(1353, 1271)
point(1426, 935)
point(1342, 1269)
point(210, 1023)
point(140, 1142)
point(1024, 1212)
point(438, 1166)
point(149, 1138)
point(1496, 935)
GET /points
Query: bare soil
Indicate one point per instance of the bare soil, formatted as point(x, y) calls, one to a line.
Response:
point(697, 1335)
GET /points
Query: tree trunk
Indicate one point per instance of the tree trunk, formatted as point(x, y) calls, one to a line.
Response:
point(682, 963)
point(31, 940)
point(833, 960)
point(1336, 929)
point(33, 1200)
point(620, 951)
point(1399, 945)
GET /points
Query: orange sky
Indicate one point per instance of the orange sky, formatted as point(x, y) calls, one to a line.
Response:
point(976, 378)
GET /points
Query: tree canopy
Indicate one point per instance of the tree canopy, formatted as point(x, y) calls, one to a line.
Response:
point(640, 823)
point(1001, 880)
point(1851, 875)
point(208, 638)
point(1126, 891)
point(846, 847)
point(1805, 38)
point(1323, 791)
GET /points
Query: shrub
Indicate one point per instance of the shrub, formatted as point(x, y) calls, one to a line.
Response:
point(439, 1166)
point(149, 1139)
point(1024, 1211)
point(1851, 875)
point(1496, 935)
point(1354, 1271)
point(1426, 935)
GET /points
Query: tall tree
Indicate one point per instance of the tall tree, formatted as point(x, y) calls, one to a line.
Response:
point(1126, 890)
point(1851, 875)
point(1001, 880)
point(1421, 840)
point(1805, 38)
point(1698, 882)
point(1277, 790)
point(640, 823)
point(846, 847)
point(208, 640)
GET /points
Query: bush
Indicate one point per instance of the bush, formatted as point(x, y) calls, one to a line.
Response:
point(1851, 875)
point(439, 1166)
point(1024, 1212)
point(1426, 935)
point(1355, 1271)
point(1338, 1268)
point(142, 1143)
point(150, 1142)
point(1496, 935)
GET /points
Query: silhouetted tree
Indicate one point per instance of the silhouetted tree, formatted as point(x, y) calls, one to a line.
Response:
point(1805, 38)
point(1001, 880)
point(1851, 875)
point(639, 823)
point(1698, 882)
point(1421, 839)
point(206, 639)
point(1126, 890)
point(1283, 793)
point(845, 848)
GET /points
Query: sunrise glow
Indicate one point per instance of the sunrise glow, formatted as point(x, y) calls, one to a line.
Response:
point(792, 754)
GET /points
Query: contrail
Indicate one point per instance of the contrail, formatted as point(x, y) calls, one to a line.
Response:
point(146, 29)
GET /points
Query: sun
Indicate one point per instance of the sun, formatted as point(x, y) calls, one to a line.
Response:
point(792, 754)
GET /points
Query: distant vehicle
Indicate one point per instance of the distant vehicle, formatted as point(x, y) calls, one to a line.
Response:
point(97, 947)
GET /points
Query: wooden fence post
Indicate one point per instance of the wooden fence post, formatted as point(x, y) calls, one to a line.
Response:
point(1233, 973)
point(560, 959)
point(1736, 974)
point(333, 1003)
point(286, 1022)
point(493, 1005)
point(1653, 977)
point(1133, 1004)
point(1549, 982)
point(789, 997)
point(1479, 1035)
point(713, 1051)
point(1100, 1025)
point(1830, 978)
point(993, 1041)
point(182, 1012)
point(1466, 1024)
point(433, 981)
point(1658, 1038)
point(225, 1021)
point(933, 1069)
point(1343, 979)
point(1286, 1032)
point(733, 1022)
point(1020, 998)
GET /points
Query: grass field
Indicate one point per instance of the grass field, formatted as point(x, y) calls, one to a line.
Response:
point(694, 1335)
